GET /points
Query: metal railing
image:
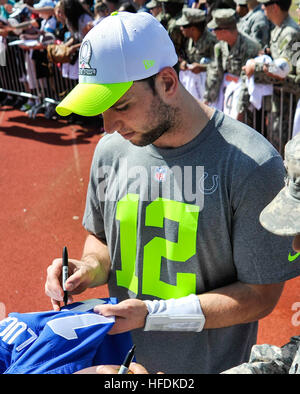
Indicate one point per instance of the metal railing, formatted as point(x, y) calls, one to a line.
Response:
point(263, 120)
point(19, 77)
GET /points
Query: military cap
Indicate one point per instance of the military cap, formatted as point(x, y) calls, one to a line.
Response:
point(191, 16)
point(173, 1)
point(282, 215)
point(266, 1)
point(152, 4)
point(241, 2)
point(223, 18)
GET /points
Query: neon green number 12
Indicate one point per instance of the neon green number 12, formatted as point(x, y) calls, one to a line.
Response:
point(180, 251)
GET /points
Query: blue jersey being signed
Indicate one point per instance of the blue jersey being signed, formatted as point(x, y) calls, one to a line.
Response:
point(60, 342)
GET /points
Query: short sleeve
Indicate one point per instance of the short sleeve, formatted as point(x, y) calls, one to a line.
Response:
point(93, 218)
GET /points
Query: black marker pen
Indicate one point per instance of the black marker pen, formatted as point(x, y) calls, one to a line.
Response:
point(125, 366)
point(65, 272)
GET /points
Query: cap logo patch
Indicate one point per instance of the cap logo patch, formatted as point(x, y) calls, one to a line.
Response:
point(85, 55)
point(148, 64)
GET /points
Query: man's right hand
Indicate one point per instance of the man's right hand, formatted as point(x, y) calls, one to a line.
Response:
point(82, 275)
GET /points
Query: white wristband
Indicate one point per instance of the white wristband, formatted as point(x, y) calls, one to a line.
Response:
point(181, 314)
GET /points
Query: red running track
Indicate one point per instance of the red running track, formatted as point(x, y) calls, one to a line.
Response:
point(44, 176)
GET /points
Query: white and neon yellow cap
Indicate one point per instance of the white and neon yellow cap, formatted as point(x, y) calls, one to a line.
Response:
point(123, 48)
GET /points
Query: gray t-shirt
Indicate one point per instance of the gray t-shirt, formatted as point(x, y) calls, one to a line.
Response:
point(185, 220)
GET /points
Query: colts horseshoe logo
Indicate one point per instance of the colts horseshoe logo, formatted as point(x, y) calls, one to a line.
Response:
point(213, 188)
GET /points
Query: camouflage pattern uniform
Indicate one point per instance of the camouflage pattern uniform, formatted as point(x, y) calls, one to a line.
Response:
point(213, 5)
point(269, 359)
point(204, 47)
point(256, 25)
point(281, 217)
point(228, 60)
point(283, 44)
point(172, 28)
point(152, 4)
point(163, 18)
point(240, 2)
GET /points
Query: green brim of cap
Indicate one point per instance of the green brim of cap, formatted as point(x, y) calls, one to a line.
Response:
point(91, 99)
point(282, 215)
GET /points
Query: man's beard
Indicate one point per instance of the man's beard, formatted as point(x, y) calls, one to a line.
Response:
point(164, 115)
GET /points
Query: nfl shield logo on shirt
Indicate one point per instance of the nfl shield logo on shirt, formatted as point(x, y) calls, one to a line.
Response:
point(160, 174)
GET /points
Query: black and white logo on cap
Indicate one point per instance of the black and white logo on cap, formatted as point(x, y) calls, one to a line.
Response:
point(85, 55)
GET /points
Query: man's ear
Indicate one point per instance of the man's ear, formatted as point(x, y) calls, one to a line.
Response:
point(167, 82)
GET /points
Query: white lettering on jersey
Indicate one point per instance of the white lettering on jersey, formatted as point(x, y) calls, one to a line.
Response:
point(31, 339)
point(13, 330)
point(13, 321)
point(66, 326)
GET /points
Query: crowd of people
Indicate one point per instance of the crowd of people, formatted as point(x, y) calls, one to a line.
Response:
point(231, 53)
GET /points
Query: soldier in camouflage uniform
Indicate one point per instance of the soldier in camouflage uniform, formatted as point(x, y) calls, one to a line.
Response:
point(200, 43)
point(229, 56)
point(213, 5)
point(284, 44)
point(255, 24)
point(281, 217)
point(171, 12)
point(241, 8)
point(154, 7)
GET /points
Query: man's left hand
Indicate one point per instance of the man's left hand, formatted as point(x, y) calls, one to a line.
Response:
point(130, 314)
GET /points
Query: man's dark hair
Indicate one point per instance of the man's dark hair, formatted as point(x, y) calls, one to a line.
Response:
point(100, 7)
point(172, 8)
point(127, 6)
point(73, 9)
point(200, 26)
point(284, 5)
